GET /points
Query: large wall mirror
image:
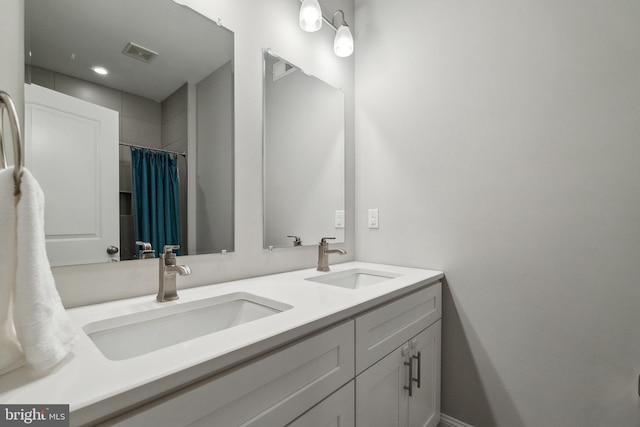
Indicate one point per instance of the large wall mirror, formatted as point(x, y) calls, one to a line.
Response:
point(129, 128)
point(304, 167)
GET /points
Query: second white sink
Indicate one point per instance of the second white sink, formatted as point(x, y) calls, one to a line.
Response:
point(354, 278)
point(139, 333)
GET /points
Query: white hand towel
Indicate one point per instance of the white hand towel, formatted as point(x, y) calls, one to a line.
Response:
point(43, 328)
point(11, 356)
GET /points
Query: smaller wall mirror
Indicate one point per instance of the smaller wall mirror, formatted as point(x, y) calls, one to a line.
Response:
point(304, 176)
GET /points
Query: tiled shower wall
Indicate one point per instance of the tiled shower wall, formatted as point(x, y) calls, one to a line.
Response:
point(174, 138)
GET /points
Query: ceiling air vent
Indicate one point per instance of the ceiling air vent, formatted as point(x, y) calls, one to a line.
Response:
point(140, 53)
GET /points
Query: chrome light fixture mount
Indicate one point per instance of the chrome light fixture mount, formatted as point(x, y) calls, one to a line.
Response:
point(311, 18)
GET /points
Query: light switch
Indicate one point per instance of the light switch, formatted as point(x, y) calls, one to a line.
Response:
point(373, 218)
point(339, 221)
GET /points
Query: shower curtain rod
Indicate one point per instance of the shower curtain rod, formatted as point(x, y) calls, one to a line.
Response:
point(154, 149)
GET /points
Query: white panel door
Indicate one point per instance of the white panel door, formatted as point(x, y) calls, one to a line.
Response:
point(71, 147)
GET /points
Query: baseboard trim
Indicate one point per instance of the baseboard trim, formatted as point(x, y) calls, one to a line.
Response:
point(447, 421)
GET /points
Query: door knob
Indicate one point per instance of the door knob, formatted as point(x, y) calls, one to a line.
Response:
point(112, 250)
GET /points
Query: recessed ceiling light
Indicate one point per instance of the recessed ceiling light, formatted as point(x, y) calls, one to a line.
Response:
point(100, 70)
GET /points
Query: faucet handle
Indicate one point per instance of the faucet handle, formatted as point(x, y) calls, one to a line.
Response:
point(145, 246)
point(146, 251)
point(168, 249)
point(324, 240)
point(296, 240)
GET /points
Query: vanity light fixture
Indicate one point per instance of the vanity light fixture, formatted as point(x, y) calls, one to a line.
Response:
point(311, 20)
point(343, 43)
point(310, 16)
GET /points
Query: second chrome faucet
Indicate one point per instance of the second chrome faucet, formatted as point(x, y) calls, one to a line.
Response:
point(324, 251)
point(168, 269)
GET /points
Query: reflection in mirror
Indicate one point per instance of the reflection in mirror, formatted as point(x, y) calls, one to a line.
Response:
point(106, 79)
point(303, 157)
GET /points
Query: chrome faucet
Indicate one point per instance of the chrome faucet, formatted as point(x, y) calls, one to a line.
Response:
point(323, 253)
point(147, 251)
point(296, 240)
point(168, 269)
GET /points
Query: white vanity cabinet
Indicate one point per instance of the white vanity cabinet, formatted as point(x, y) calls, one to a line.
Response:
point(398, 362)
point(271, 391)
point(378, 368)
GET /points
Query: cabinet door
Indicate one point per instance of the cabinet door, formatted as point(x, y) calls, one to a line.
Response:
point(381, 399)
point(336, 410)
point(424, 405)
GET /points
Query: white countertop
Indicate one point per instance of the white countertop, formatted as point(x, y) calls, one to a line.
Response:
point(94, 386)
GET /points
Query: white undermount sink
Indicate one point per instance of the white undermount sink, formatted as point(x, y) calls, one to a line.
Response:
point(354, 278)
point(131, 335)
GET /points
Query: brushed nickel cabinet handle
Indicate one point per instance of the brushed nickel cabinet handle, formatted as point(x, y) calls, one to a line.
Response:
point(410, 386)
point(419, 359)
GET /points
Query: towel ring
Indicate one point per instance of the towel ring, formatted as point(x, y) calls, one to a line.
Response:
point(7, 102)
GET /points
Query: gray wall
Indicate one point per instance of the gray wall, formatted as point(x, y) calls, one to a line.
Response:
point(499, 140)
point(214, 181)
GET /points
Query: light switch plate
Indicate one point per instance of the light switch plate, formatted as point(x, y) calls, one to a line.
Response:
point(373, 219)
point(339, 220)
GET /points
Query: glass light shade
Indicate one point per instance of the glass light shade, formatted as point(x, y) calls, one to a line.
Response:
point(343, 43)
point(310, 16)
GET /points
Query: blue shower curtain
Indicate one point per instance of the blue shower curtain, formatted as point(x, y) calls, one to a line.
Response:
point(156, 198)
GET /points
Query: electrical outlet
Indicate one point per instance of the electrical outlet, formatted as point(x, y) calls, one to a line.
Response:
point(373, 219)
point(339, 220)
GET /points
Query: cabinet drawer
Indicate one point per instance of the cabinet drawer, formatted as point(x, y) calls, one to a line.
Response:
point(384, 329)
point(273, 390)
